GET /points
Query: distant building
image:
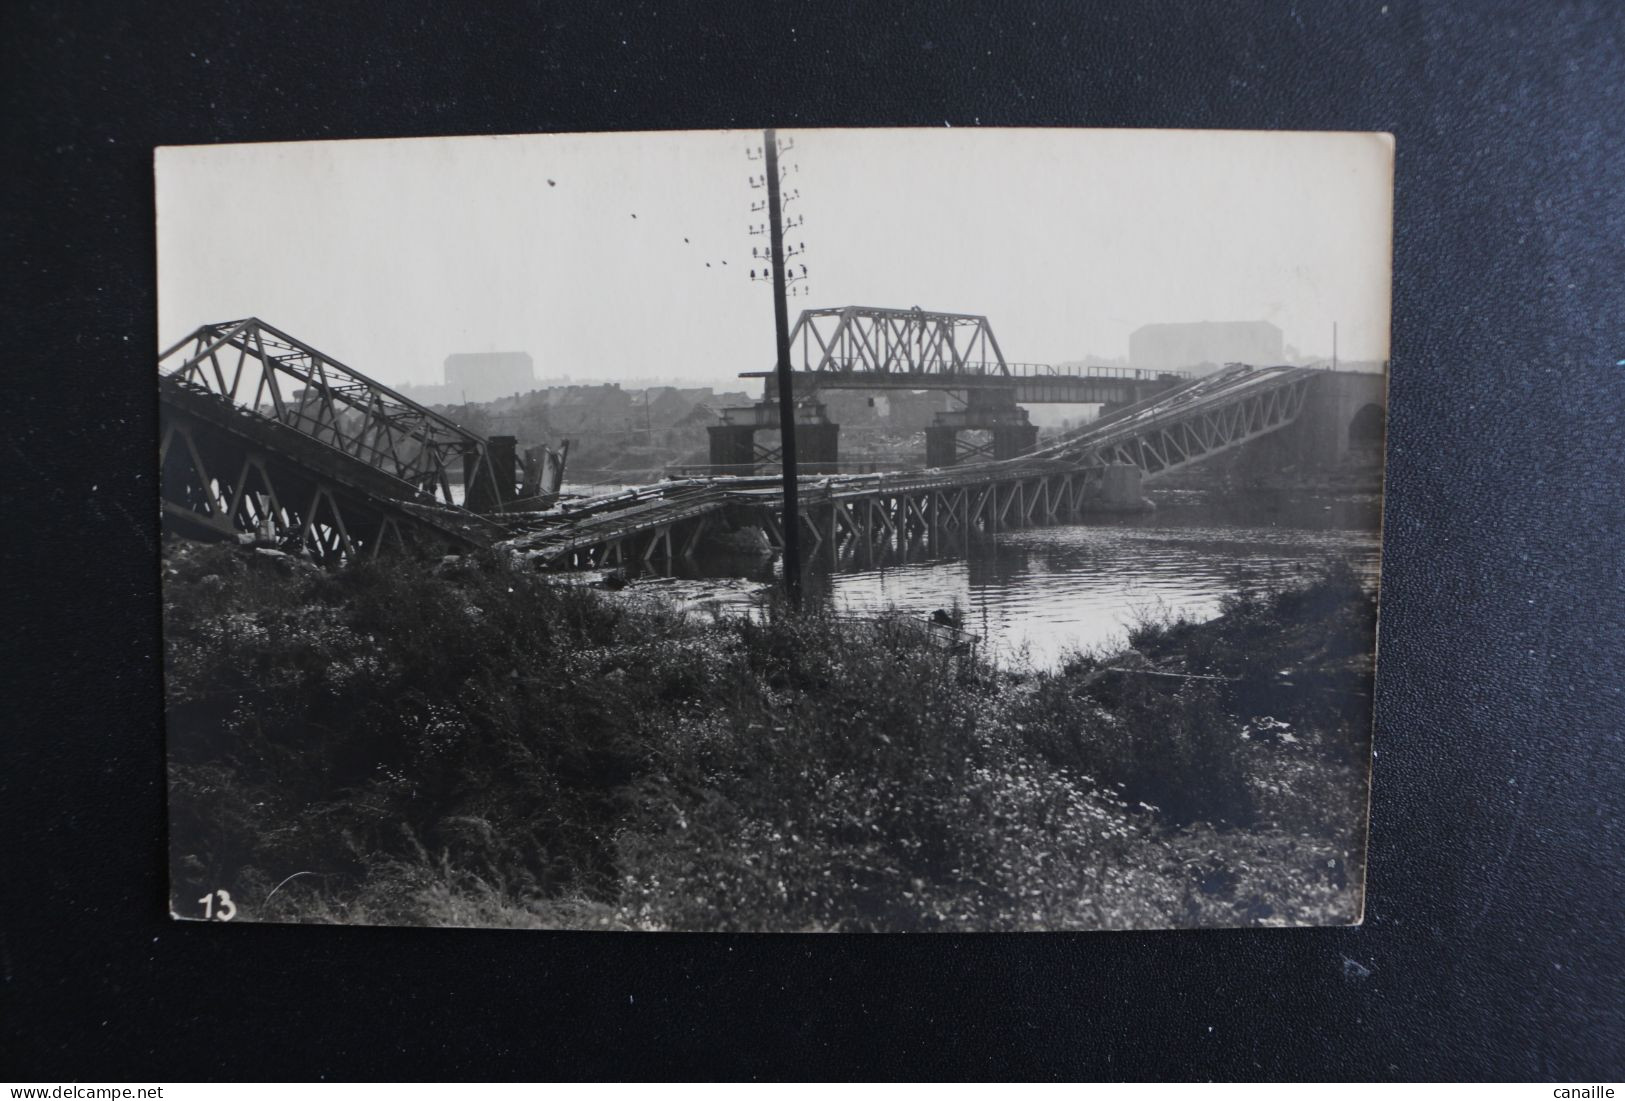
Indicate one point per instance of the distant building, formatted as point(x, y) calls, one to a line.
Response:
point(1205, 345)
point(485, 376)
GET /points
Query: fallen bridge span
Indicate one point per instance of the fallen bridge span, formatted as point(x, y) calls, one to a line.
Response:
point(261, 434)
point(845, 515)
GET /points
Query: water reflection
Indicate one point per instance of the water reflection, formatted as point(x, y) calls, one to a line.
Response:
point(1038, 592)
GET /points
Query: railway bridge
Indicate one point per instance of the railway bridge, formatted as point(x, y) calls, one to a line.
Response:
point(259, 433)
point(853, 516)
point(876, 349)
point(262, 436)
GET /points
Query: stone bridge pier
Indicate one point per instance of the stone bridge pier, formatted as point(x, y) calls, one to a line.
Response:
point(1344, 417)
point(735, 450)
point(1342, 423)
point(993, 410)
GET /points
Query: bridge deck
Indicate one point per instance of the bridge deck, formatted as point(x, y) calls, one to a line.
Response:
point(262, 433)
point(1082, 386)
point(1158, 435)
point(282, 439)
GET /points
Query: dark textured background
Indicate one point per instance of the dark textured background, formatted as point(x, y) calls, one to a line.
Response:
point(1492, 946)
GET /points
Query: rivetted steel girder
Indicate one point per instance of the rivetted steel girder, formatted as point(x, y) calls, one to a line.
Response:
point(1202, 419)
point(892, 341)
point(263, 434)
point(269, 374)
point(871, 347)
point(221, 480)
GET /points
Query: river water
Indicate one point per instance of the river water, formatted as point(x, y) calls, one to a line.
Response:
point(1038, 593)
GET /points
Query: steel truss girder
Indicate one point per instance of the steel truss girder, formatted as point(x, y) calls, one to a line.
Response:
point(1172, 444)
point(895, 342)
point(216, 487)
point(1053, 484)
point(266, 373)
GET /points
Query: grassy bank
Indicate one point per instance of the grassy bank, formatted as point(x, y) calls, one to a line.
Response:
point(468, 744)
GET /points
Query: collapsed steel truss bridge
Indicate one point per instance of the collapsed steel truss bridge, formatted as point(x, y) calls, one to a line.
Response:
point(262, 435)
point(850, 517)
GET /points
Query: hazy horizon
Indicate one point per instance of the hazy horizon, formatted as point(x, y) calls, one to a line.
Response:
point(590, 251)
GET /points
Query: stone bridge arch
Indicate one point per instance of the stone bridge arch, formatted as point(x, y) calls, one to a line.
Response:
point(1343, 419)
point(1366, 428)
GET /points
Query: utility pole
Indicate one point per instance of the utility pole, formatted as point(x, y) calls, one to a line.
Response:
point(787, 405)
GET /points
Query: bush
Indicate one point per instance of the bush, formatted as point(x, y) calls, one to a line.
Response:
point(470, 744)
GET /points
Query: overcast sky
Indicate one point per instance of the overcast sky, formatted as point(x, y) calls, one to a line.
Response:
point(391, 255)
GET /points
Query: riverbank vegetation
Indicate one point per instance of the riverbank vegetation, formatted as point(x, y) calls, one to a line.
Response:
point(463, 743)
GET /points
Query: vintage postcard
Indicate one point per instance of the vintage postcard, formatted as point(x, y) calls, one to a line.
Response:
point(817, 530)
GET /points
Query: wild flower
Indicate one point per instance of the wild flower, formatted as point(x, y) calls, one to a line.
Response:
point(481, 745)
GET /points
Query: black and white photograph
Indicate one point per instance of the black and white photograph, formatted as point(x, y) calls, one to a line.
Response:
point(800, 530)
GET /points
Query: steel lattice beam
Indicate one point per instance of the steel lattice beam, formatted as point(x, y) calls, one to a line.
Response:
point(1202, 419)
point(1232, 409)
point(219, 484)
point(263, 435)
point(878, 348)
point(895, 342)
point(269, 374)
